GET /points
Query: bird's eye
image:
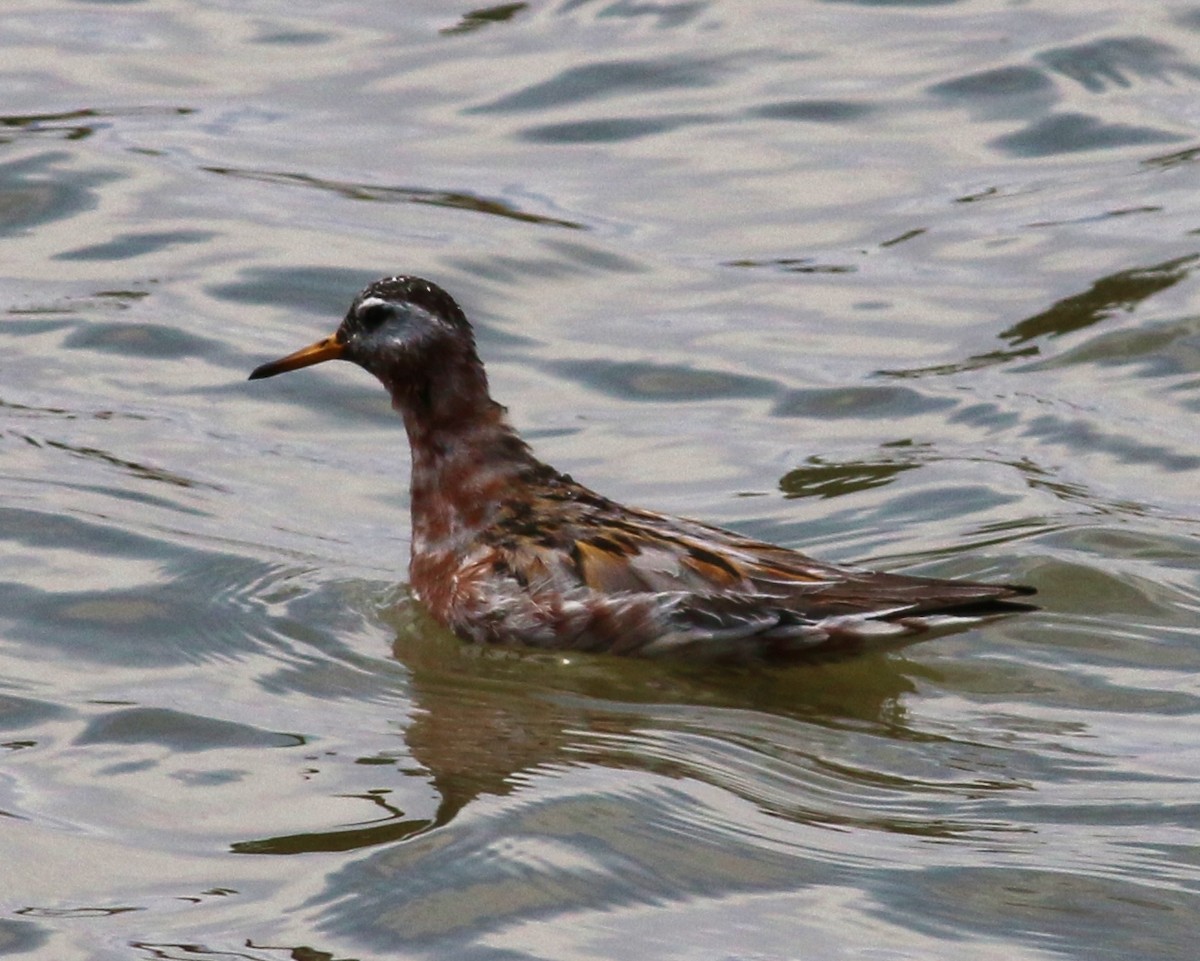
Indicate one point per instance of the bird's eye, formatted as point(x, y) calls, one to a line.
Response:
point(373, 315)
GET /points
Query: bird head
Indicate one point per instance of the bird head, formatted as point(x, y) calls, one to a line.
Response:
point(404, 330)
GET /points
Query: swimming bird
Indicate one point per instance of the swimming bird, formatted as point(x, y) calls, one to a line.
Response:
point(508, 550)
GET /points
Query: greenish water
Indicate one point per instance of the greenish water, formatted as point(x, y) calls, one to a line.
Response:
point(904, 283)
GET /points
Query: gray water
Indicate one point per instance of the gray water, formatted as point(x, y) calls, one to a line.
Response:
point(910, 284)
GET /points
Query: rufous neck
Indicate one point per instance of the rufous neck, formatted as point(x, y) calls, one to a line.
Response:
point(465, 462)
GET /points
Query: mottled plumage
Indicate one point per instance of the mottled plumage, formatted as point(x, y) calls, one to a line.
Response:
point(507, 550)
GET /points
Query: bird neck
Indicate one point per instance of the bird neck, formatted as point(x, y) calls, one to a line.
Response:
point(465, 459)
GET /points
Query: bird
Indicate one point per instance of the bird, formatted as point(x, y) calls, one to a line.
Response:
point(506, 550)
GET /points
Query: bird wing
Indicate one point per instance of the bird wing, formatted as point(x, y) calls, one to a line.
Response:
point(716, 589)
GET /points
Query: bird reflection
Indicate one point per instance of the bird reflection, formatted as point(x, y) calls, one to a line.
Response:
point(489, 719)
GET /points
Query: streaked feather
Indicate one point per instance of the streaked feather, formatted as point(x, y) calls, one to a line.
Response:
point(508, 550)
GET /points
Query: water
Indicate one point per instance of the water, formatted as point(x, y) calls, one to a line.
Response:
point(907, 283)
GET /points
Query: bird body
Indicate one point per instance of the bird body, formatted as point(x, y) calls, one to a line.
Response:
point(507, 550)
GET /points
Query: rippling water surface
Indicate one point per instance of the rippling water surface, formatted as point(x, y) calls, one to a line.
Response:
point(911, 283)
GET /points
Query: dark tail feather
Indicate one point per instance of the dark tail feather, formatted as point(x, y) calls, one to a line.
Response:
point(993, 606)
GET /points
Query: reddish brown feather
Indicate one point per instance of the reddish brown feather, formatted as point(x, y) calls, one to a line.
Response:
point(507, 550)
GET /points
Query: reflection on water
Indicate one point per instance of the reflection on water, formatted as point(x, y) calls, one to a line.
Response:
point(903, 282)
point(1122, 291)
point(456, 200)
